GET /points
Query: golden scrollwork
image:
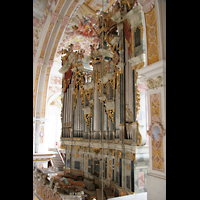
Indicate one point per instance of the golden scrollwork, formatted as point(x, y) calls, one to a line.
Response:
point(137, 95)
point(85, 149)
point(133, 157)
point(69, 147)
point(118, 154)
point(111, 152)
point(87, 94)
point(62, 146)
point(117, 77)
point(79, 80)
point(138, 66)
point(128, 167)
point(106, 151)
point(110, 113)
point(76, 155)
point(112, 83)
point(82, 95)
point(87, 119)
point(127, 154)
point(109, 172)
point(77, 148)
point(96, 150)
point(106, 85)
point(117, 163)
point(110, 162)
point(139, 136)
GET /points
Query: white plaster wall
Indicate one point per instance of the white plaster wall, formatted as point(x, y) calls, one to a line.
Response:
point(52, 128)
point(156, 188)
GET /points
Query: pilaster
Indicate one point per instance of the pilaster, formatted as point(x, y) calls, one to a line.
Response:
point(154, 76)
point(39, 135)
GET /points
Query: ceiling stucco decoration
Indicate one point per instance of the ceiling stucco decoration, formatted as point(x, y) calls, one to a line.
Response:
point(82, 29)
point(77, 26)
point(41, 9)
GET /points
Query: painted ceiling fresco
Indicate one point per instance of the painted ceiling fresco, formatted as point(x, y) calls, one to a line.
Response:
point(82, 29)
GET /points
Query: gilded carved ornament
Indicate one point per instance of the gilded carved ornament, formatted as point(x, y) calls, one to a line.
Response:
point(110, 113)
point(137, 95)
point(128, 167)
point(118, 154)
point(127, 154)
point(133, 157)
point(77, 148)
point(85, 149)
point(111, 152)
point(69, 147)
point(117, 163)
point(138, 66)
point(139, 136)
point(112, 83)
point(96, 150)
point(87, 119)
point(106, 151)
point(63, 146)
point(117, 77)
point(76, 155)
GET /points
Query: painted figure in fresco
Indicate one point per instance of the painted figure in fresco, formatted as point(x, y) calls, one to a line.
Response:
point(85, 27)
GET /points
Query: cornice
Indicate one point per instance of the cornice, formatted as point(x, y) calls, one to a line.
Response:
point(152, 70)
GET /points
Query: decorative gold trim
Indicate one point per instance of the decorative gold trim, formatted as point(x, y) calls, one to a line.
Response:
point(77, 148)
point(69, 147)
point(77, 139)
point(77, 155)
point(127, 142)
point(96, 150)
point(94, 140)
point(127, 154)
point(63, 146)
point(111, 152)
point(87, 119)
point(133, 157)
point(137, 95)
point(117, 163)
point(138, 66)
point(128, 167)
point(139, 136)
point(116, 141)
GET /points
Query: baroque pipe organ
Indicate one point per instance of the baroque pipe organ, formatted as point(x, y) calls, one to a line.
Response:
point(101, 100)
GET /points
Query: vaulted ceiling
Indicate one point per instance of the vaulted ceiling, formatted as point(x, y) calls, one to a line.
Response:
point(56, 24)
